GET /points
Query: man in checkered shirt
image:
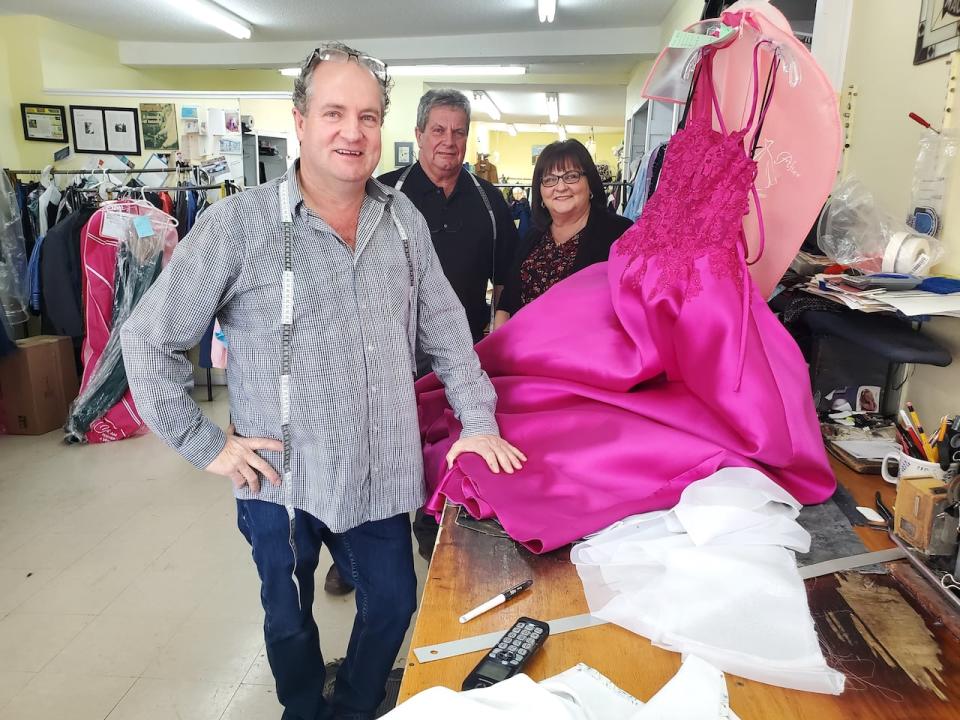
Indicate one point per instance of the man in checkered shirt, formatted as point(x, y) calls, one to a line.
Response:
point(366, 286)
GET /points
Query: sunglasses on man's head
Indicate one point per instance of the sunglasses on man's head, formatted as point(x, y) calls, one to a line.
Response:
point(338, 54)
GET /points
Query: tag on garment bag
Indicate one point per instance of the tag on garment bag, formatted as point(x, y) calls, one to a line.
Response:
point(112, 225)
point(143, 226)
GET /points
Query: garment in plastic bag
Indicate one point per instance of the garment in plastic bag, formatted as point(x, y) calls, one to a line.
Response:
point(716, 577)
point(697, 692)
point(13, 257)
point(124, 247)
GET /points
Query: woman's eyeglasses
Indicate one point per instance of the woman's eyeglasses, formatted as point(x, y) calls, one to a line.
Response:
point(569, 178)
point(337, 54)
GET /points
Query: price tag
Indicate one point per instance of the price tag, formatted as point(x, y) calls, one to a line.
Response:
point(143, 226)
point(113, 225)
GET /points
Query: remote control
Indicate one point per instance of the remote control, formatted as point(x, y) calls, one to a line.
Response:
point(511, 653)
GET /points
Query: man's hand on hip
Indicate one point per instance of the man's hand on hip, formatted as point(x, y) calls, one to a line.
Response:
point(239, 461)
point(494, 449)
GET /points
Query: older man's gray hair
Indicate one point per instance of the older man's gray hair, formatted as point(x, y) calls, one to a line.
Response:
point(445, 97)
point(303, 84)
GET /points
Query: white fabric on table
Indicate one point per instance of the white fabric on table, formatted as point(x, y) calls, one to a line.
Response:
point(714, 577)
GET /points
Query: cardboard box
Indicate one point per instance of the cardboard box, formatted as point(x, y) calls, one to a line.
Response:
point(919, 502)
point(37, 385)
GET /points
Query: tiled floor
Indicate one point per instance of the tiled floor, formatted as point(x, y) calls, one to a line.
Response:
point(126, 591)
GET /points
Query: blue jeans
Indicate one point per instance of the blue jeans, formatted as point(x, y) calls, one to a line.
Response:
point(378, 558)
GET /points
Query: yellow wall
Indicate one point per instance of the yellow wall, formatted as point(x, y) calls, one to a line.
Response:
point(513, 154)
point(883, 149)
point(401, 119)
point(10, 124)
point(880, 64)
point(635, 87)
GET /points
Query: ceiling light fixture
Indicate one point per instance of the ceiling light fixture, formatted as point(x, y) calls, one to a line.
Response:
point(511, 130)
point(437, 70)
point(547, 9)
point(562, 132)
point(485, 103)
point(214, 15)
point(553, 107)
point(398, 70)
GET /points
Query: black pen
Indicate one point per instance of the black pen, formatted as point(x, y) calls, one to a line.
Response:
point(495, 601)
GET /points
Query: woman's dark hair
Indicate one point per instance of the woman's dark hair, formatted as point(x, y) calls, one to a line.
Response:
point(570, 155)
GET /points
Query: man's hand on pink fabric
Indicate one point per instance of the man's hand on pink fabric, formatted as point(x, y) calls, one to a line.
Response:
point(498, 453)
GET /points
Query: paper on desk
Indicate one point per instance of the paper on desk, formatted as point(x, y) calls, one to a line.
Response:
point(867, 449)
point(911, 302)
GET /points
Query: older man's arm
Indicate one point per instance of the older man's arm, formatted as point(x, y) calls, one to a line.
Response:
point(169, 320)
point(445, 336)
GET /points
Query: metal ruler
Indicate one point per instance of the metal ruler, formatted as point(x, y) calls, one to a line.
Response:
point(429, 653)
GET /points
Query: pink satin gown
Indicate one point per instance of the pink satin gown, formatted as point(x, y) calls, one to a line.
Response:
point(633, 378)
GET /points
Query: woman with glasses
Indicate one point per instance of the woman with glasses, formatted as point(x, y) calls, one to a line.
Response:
point(571, 226)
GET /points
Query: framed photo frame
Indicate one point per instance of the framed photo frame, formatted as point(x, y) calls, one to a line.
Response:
point(938, 32)
point(402, 154)
point(45, 123)
point(89, 133)
point(123, 130)
point(105, 130)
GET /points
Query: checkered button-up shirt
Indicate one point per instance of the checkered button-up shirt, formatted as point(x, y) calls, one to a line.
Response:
point(356, 452)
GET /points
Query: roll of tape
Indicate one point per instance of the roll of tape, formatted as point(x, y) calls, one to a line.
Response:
point(892, 251)
point(914, 256)
point(907, 253)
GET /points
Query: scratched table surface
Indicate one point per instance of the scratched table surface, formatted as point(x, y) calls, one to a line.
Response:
point(900, 660)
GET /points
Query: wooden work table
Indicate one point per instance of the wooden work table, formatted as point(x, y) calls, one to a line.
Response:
point(469, 567)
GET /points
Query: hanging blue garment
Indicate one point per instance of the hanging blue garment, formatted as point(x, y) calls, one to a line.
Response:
point(638, 193)
point(191, 209)
point(33, 278)
point(645, 182)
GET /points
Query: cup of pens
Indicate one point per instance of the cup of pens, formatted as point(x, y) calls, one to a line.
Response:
point(936, 456)
point(908, 467)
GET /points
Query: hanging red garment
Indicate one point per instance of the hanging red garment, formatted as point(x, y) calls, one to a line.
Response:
point(98, 255)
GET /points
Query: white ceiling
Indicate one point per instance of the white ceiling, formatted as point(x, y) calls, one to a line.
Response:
point(279, 20)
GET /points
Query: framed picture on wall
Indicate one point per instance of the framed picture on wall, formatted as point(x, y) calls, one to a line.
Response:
point(535, 151)
point(123, 130)
point(89, 133)
point(402, 154)
point(938, 33)
point(47, 123)
point(160, 126)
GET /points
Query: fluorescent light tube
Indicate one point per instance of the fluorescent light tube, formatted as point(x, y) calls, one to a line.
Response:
point(553, 109)
point(547, 10)
point(214, 15)
point(398, 70)
point(485, 104)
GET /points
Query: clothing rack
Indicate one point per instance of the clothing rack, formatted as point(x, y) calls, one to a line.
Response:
point(147, 188)
point(82, 171)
